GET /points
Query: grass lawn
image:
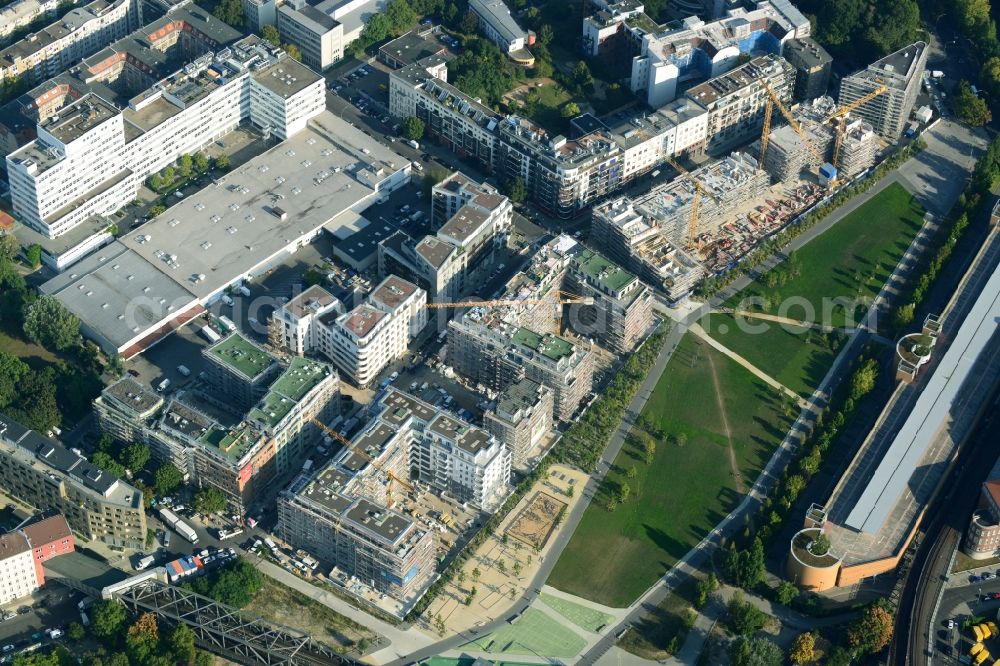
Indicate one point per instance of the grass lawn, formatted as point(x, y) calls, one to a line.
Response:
point(859, 252)
point(583, 617)
point(614, 556)
point(534, 633)
point(36, 356)
point(796, 360)
point(549, 100)
point(466, 661)
point(283, 605)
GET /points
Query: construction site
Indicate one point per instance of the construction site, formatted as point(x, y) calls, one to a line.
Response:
point(706, 219)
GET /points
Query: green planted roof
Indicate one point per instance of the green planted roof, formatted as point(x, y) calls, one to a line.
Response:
point(548, 345)
point(242, 355)
point(294, 383)
point(234, 443)
point(612, 276)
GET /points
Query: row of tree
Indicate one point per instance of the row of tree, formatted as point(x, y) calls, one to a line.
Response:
point(187, 167)
point(974, 19)
point(236, 584)
point(862, 31)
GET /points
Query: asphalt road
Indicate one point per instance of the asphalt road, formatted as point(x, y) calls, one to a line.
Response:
point(53, 606)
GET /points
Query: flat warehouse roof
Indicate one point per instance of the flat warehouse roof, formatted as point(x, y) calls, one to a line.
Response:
point(930, 413)
point(232, 227)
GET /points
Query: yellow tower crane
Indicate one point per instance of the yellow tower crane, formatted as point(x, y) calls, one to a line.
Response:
point(392, 478)
point(692, 226)
point(791, 121)
point(843, 111)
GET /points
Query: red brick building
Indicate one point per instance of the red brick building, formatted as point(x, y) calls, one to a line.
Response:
point(49, 536)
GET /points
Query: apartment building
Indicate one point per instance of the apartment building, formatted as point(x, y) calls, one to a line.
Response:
point(296, 321)
point(362, 341)
point(521, 419)
point(49, 536)
point(17, 568)
point(677, 128)
point(22, 13)
point(80, 33)
point(736, 101)
point(239, 459)
point(45, 475)
point(344, 514)
point(730, 183)
point(901, 72)
point(700, 50)
point(384, 548)
point(641, 243)
point(622, 312)
point(982, 538)
point(124, 407)
point(496, 354)
point(135, 107)
point(813, 66)
point(496, 23)
point(474, 222)
point(239, 371)
point(258, 13)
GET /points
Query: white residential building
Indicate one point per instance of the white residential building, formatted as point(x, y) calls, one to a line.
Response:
point(323, 29)
point(90, 157)
point(498, 25)
point(360, 342)
point(22, 13)
point(18, 577)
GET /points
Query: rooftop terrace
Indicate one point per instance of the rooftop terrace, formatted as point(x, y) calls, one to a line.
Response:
point(548, 345)
point(242, 355)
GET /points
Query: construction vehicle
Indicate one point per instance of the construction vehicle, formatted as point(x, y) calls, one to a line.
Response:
point(981, 657)
point(390, 477)
point(993, 628)
point(840, 116)
point(692, 226)
point(976, 649)
point(977, 633)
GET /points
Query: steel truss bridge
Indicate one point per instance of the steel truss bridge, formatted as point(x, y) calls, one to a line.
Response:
point(226, 631)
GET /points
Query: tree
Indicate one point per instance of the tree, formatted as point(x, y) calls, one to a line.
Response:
point(904, 314)
point(168, 176)
point(33, 255)
point(235, 585)
point(803, 649)
point(840, 656)
point(745, 568)
point(209, 500)
point(145, 628)
point(157, 209)
point(581, 78)
point(469, 23)
point(820, 545)
point(108, 464)
point(570, 110)
point(705, 587)
point(680, 439)
point(293, 51)
point(863, 379)
point(970, 107)
point(222, 162)
point(185, 164)
point(745, 619)
point(182, 644)
point(51, 325)
point(270, 34)
point(167, 478)
point(12, 371)
point(623, 492)
point(517, 192)
point(476, 573)
point(516, 568)
point(413, 128)
point(75, 632)
point(632, 472)
point(231, 12)
point(649, 450)
point(201, 161)
point(36, 405)
point(376, 29)
point(786, 593)
point(755, 652)
point(107, 618)
point(872, 630)
point(401, 17)
point(9, 247)
point(135, 456)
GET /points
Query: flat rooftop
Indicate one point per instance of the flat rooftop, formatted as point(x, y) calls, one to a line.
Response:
point(466, 437)
point(242, 355)
point(287, 77)
point(361, 321)
point(392, 292)
point(399, 406)
point(132, 395)
point(232, 227)
point(301, 377)
point(118, 294)
point(551, 346)
point(310, 301)
point(388, 526)
point(411, 48)
point(603, 272)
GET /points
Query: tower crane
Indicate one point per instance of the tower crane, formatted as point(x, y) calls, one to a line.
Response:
point(692, 226)
point(791, 121)
point(846, 109)
point(354, 449)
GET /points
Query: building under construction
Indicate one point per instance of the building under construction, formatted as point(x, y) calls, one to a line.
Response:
point(789, 154)
point(725, 185)
point(639, 243)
